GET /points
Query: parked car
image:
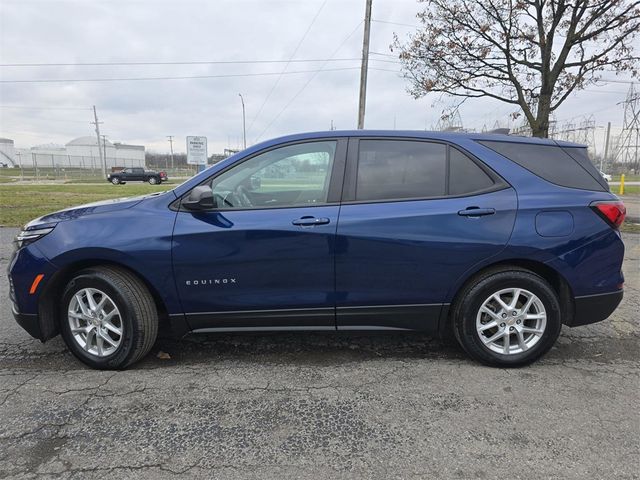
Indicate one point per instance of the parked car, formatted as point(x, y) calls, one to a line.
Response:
point(136, 175)
point(606, 176)
point(496, 240)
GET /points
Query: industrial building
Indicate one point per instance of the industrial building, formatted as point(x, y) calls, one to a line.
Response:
point(82, 152)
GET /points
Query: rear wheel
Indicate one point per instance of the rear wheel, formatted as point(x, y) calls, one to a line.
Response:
point(108, 318)
point(507, 318)
point(153, 180)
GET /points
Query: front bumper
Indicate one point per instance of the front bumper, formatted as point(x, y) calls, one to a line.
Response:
point(595, 308)
point(25, 265)
point(29, 321)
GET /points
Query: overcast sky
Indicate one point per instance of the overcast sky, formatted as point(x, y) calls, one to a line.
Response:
point(145, 112)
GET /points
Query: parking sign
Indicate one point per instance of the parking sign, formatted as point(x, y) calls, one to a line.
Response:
point(197, 150)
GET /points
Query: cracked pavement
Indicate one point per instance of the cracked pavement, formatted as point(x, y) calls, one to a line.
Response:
point(325, 406)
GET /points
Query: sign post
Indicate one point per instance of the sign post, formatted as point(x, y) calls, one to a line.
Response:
point(197, 152)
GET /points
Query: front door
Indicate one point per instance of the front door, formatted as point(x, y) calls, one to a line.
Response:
point(415, 217)
point(264, 258)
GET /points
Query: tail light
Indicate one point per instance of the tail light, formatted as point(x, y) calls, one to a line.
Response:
point(612, 212)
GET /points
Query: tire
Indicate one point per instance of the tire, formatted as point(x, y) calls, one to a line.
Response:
point(115, 180)
point(153, 180)
point(526, 336)
point(135, 316)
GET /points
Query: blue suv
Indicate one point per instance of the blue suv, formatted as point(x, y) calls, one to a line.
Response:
point(497, 240)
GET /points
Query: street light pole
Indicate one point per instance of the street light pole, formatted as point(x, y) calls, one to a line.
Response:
point(244, 128)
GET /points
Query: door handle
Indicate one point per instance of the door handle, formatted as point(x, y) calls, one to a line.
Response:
point(310, 221)
point(476, 212)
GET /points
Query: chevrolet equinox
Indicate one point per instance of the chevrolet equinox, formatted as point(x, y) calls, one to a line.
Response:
point(497, 240)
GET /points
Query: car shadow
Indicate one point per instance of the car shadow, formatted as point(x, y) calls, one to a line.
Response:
point(300, 347)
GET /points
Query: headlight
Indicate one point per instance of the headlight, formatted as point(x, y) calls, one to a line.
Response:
point(25, 237)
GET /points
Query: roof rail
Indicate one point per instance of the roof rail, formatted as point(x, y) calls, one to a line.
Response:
point(501, 131)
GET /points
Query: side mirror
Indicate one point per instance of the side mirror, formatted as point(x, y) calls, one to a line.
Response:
point(200, 198)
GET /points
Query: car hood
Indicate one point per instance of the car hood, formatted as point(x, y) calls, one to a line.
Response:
point(71, 213)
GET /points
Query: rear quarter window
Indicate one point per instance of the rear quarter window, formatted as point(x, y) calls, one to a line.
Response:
point(552, 163)
point(465, 176)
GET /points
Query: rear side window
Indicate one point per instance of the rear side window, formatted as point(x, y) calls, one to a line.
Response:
point(405, 169)
point(393, 169)
point(550, 162)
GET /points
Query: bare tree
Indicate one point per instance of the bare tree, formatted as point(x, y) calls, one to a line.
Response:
point(532, 54)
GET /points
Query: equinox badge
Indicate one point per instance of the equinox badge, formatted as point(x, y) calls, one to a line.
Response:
point(210, 281)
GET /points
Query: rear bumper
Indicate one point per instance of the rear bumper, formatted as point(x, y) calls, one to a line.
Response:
point(595, 308)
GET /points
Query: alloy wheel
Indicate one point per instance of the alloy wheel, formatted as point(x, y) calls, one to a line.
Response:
point(95, 322)
point(511, 321)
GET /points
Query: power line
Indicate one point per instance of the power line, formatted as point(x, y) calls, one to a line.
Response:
point(194, 62)
point(582, 90)
point(58, 120)
point(43, 108)
point(610, 80)
point(231, 75)
point(277, 82)
point(385, 70)
point(396, 23)
point(384, 54)
point(309, 80)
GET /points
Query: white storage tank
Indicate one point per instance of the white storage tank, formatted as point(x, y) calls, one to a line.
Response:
point(7, 152)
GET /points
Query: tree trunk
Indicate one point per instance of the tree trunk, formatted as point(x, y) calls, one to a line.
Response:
point(541, 126)
point(540, 131)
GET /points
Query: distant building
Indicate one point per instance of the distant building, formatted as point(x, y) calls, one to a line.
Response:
point(117, 154)
point(82, 152)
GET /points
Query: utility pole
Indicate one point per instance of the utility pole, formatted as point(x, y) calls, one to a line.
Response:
point(20, 162)
point(104, 149)
point(365, 65)
point(244, 128)
point(170, 137)
point(603, 162)
point(97, 125)
point(34, 159)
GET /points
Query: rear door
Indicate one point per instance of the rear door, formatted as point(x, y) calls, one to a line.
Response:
point(415, 216)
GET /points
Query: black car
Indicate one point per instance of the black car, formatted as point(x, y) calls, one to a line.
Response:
point(137, 174)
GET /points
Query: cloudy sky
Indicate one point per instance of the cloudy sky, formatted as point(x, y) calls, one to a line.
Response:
point(146, 111)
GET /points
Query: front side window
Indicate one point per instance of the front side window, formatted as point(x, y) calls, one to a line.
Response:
point(294, 175)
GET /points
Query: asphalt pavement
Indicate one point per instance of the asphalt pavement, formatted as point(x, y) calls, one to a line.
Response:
point(325, 406)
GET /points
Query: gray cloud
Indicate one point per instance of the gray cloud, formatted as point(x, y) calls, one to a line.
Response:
point(146, 111)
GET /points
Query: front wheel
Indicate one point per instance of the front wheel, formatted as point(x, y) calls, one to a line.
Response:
point(108, 318)
point(507, 318)
point(115, 180)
